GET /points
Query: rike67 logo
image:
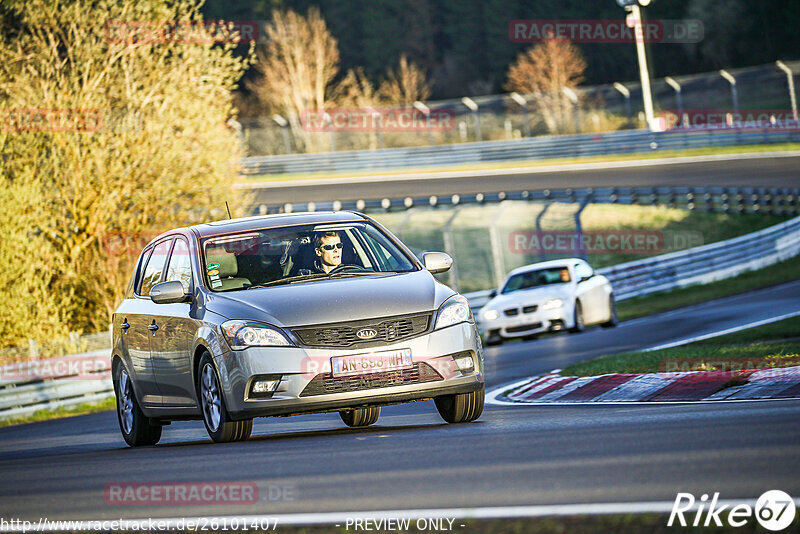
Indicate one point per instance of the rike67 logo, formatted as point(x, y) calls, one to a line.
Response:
point(774, 510)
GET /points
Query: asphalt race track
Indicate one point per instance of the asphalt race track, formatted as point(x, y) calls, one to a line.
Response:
point(526, 455)
point(778, 171)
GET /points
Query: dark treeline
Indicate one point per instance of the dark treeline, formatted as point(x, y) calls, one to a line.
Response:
point(465, 49)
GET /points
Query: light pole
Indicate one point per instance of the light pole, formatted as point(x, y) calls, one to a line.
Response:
point(467, 101)
point(425, 110)
point(635, 20)
point(519, 99)
point(675, 85)
point(790, 78)
point(627, 94)
point(283, 123)
point(573, 97)
point(734, 95)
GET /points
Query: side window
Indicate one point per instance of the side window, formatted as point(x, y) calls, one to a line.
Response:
point(155, 267)
point(180, 266)
point(582, 271)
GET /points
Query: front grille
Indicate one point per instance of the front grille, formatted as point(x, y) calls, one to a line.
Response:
point(389, 330)
point(523, 328)
point(327, 384)
point(511, 312)
point(530, 309)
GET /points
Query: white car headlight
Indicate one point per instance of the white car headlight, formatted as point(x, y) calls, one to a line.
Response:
point(453, 311)
point(491, 315)
point(243, 334)
point(552, 304)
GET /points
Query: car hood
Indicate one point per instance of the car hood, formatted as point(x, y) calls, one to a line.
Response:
point(335, 300)
point(527, 297)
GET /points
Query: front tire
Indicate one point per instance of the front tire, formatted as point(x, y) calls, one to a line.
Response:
point(577, 319)
point(461, 407)
point(212, 403)
point(137, 429)
point(360, 416)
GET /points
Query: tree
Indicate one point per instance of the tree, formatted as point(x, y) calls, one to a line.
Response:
point(108, 138)
point(405, 85)
point(543, 71)
point(297, 69)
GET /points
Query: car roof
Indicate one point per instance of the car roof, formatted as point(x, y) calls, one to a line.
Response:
point(563, 262)
point(258, 222)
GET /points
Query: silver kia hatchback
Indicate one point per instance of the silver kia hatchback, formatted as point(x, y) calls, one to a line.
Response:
point(289, 314)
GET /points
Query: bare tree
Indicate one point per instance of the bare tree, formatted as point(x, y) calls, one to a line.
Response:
point(543, 71)
point(405, 85)
point(297, 69)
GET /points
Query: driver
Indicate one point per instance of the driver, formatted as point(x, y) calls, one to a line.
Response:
point(328, 248)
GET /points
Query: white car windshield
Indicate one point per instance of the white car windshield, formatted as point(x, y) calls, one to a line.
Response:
point(541, 277)
point(277, 256)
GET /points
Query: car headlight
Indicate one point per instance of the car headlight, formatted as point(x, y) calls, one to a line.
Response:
point(491, 315)
point(552, 304)
point(243, 334)
point(453, 311)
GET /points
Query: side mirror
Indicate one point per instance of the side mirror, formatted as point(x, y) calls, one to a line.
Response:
point(492, 293)
point(168, 293)
point(437, 262)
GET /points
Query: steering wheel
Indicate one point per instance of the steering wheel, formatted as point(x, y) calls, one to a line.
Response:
point(347, 268)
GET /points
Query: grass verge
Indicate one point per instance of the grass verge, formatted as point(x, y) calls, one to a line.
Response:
point(678, 298)
point(57, 413)
point(764, 347)
point(782, 147)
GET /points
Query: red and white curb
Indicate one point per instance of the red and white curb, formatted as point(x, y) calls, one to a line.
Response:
point(694, 386)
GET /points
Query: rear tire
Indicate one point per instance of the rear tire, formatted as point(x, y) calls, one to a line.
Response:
point(612, 307)
point(137, 429)
point(577, 319)
point(461, 407)
point(360, 416)
point(212, 403)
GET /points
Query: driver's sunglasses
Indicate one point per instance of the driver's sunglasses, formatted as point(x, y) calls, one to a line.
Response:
point(331, 247)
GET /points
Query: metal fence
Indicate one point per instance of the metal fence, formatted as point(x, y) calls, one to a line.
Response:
point(529, 148)
point(601, 108)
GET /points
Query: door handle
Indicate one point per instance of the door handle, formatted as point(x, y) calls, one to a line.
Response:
point(124, 326)
point(153, 327)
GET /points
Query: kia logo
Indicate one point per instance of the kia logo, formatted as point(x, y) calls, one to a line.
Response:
point(366, 333)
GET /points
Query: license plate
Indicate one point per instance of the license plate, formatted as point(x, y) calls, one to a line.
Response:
point(371, 362)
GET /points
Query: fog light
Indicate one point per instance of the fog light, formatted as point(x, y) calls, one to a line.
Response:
point(465, 363)
point(265, 386)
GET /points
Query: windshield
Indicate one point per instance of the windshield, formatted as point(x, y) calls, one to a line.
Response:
point(541, 277)
point(279, 256)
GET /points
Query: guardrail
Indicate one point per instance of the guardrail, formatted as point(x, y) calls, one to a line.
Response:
point(777, 200)
point(46, 384)
point(529, 148)
point(704, 264)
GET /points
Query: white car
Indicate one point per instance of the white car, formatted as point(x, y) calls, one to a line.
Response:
point(563, 294)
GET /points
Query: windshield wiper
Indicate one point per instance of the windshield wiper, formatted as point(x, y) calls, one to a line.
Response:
point(290, 280)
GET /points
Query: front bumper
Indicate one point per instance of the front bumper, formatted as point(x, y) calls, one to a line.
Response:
point(298, 366)
point(525, 324)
